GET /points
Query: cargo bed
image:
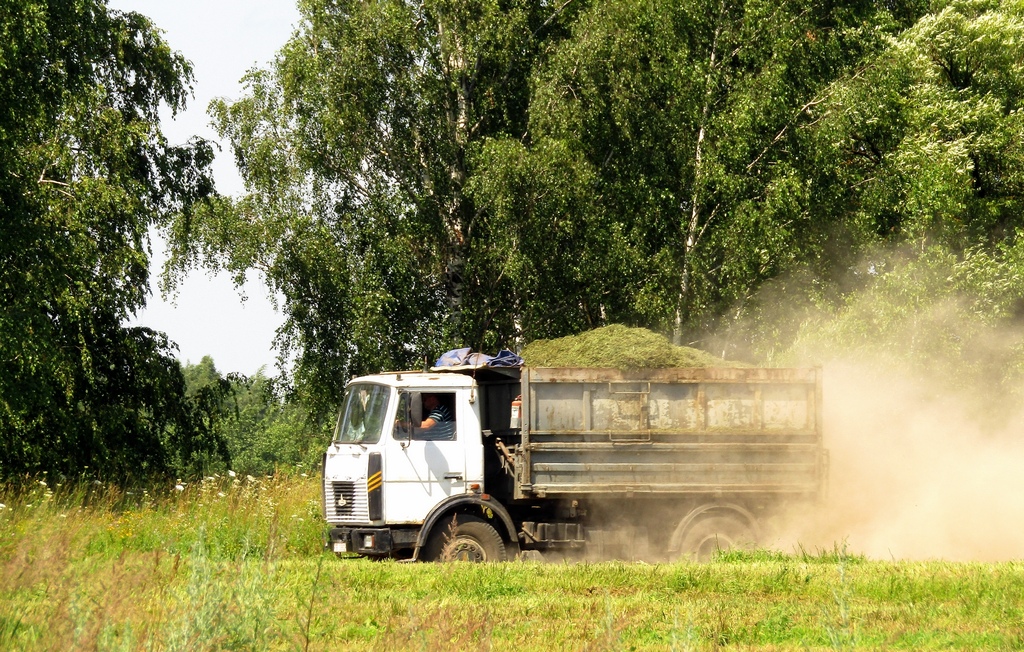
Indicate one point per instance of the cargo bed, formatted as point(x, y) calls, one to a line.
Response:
point(719, 431)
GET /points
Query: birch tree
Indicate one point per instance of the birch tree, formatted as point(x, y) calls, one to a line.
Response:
point(694, 117)
point(85, 172)
point(356, 148)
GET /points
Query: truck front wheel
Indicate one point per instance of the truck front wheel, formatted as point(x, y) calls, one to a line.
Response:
point(466, 538)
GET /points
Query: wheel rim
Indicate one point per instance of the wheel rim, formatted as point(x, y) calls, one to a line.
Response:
point(464, 549)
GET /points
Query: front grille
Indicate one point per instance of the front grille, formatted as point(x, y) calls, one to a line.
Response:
point(346, 502)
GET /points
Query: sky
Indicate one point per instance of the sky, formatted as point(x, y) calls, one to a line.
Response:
point(223, 39)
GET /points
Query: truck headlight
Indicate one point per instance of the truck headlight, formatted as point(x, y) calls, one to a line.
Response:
point(368, 541)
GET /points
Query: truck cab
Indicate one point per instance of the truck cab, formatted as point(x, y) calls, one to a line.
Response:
point(388, 480)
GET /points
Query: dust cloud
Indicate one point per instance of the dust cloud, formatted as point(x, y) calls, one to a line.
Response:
point(920, 469)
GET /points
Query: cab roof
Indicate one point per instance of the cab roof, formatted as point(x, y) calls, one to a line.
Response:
point(427, 379)
point(451, 378)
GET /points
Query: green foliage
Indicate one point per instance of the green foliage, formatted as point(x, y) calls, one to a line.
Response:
point(355, 149)
point(691, 119)
point(929, 134)
point(262, 432)
point(84, 173)
point(920, 156)
point(618, 347)
point(914, 176)
point(422, 176)
point(943, 315)
point(561, 258)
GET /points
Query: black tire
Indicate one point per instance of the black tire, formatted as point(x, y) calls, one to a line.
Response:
point(468, 538)
point(714, 534)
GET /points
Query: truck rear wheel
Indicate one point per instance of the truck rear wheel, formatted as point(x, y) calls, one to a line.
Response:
point(467, 538)
point(715, 534)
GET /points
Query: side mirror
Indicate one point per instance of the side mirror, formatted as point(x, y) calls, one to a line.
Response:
point(416, 409)
point(409, 416)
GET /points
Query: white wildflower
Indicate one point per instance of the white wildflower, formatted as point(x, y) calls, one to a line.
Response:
point(221, 494)
point(250, 478)
point(42, 483)
point(179, 487)
point(2, 506)
point(231, 474)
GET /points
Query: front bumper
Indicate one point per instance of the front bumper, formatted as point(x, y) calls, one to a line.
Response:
point(369, 540)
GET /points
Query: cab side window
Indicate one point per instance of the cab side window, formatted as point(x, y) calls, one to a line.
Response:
point(433, 421)
point(438, 417)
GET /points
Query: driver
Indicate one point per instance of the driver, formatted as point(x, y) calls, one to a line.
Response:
point(438, 422)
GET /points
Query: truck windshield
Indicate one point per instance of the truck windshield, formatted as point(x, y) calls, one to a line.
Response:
point(362, 416)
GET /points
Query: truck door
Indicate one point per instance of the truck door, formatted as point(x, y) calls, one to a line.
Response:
point(426, 463)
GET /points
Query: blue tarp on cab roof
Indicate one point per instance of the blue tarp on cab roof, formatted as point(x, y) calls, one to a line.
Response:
point(466, 358)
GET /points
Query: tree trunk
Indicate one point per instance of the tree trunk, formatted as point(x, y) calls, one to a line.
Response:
point(694, 229)
point(454, 59)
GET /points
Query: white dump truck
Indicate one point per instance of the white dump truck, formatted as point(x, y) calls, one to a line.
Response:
point(595, 463)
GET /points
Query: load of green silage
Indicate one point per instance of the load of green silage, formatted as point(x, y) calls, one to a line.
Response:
point(617, 347)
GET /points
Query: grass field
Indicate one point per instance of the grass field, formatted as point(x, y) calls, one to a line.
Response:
point(236, 564)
